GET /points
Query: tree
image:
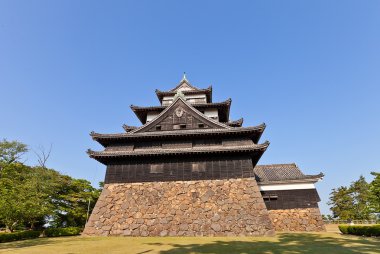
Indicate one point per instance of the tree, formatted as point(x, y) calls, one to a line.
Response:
point(11, 151)
point(72, 201)
point(342, 203)
point(41, 184)
point(374, 193)
point(10, 201)
point(25, 194)
point(360, 193)
point(43, 155)
point(31, 196)
point(351, 202)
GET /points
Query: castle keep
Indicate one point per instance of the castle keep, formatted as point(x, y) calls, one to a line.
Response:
point(191, 171)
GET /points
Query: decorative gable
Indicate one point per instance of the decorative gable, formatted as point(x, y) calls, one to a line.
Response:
point(184, 87)
point(180, 115)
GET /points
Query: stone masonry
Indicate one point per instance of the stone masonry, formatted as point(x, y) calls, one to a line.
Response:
point(232, 207)
point(300, 219)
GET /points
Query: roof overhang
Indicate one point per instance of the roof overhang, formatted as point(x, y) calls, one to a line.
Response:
point(256, 151)
point(253, 133)
point(308, 179)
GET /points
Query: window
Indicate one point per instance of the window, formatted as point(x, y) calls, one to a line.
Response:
point(156, 168)
point(158, 127)
point(201, 125)
point(179, 126)
point(268, 198)
point(199, 167)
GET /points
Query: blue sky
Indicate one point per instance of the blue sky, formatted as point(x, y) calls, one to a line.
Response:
point(309, 69)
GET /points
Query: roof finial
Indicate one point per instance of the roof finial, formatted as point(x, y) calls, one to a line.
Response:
point(184, 76)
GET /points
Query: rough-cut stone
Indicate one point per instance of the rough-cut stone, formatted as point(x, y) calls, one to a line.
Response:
point(300, 219)
point(181, 208)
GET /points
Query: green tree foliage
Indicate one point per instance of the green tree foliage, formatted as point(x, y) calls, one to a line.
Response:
point(374, 191)
point(11, 197)
point(73, 199)
point(342, 203)
point(353, 202)
point(25, 194)
point(11, 151)
point(34, 195)
point(360, 193)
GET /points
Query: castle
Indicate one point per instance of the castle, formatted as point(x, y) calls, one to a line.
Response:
point(191, 171)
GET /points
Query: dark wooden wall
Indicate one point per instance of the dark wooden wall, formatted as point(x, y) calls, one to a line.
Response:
point(290, 199)
point(179, 143)
point(180, 169)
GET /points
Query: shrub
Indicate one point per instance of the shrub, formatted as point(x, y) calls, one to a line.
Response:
point(54, 232)
point(373, 230)
point(9, 237)
point(343, 229)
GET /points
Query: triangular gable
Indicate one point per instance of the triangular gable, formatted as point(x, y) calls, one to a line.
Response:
point(184, 85)
point(180, 115)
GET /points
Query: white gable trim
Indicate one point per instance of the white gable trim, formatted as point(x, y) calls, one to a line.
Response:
point(297, 186)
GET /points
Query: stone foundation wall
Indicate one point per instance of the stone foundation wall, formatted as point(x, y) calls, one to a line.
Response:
point(183, 208)
point(301, 219)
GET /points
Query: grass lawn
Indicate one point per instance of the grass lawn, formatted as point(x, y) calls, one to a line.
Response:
point(284, 243)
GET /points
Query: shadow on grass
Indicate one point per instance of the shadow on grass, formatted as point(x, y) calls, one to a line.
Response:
point(285, 243)
point(33, 242)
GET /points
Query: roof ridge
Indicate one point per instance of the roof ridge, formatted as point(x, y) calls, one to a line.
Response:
point(278, 164)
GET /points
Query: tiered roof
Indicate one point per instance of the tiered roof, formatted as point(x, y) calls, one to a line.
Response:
point(117, 145)
point(211, 128)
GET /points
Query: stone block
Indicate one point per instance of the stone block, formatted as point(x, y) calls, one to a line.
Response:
point(228, 207)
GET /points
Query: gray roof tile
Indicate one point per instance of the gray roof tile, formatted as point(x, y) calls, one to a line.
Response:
point(281, 173)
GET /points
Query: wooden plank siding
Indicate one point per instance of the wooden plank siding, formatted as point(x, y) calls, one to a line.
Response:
point(291, 199)
point(180, 169)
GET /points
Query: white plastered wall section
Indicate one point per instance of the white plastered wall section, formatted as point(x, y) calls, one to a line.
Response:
point(212, 113)
point(169, 99)
point(298, 186)
point(151, 115)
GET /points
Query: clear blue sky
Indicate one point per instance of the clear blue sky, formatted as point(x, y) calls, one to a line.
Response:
point(309, 69)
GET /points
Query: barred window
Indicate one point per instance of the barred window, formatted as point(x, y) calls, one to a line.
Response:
point(268, 198)
point(179, 126)
point(199, 167)
point(156, 168)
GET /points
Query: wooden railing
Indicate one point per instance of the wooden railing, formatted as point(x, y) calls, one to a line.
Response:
point(355, 222)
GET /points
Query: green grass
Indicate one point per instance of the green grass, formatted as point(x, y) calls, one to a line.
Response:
point(283, 243)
